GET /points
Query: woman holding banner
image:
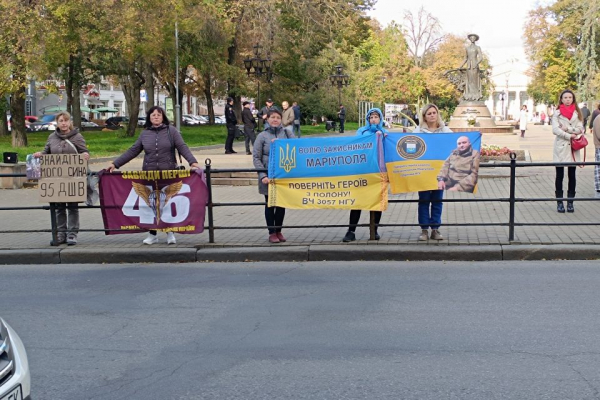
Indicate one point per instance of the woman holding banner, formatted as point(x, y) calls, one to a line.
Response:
point(430, 204)
point(374, 126)
point(65, 140)
point(158, 141)
point(260, 156)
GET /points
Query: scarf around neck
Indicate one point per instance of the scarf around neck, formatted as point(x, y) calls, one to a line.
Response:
point(567, 111)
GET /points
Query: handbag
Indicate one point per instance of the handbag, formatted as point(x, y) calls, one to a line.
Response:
point(578, 144)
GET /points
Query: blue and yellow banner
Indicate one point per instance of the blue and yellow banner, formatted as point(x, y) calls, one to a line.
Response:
point(431, 161)
point(340, 172)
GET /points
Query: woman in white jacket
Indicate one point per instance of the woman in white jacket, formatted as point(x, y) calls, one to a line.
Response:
point(430, 205)
point(523, 120)
point(567, 124)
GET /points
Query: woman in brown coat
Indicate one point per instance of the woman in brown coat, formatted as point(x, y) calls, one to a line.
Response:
point(158, 141)
point(66, 140)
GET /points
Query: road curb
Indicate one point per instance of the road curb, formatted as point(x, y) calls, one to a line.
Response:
point(30, 256)
point(117, 256)
point(317, 252)
point(551, 252)
point(405, 253)
point(241, 254)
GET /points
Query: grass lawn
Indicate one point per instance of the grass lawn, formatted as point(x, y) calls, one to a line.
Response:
point(112, 142)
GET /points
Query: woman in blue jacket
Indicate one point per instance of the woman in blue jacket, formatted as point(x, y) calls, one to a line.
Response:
point(374, 126)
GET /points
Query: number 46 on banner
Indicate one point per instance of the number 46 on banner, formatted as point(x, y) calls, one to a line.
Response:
point(151, 206)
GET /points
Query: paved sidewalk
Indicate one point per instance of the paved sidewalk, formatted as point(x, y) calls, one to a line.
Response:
point(494, 183)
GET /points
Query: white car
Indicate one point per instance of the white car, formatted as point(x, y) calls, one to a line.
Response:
point(15, 380)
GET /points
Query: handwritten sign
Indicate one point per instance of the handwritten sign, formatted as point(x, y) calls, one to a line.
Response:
point(63, 178)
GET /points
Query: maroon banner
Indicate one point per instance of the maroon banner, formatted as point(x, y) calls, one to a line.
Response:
point(168, 201)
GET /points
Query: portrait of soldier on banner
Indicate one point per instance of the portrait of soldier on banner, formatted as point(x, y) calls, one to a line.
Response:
point(461, 169)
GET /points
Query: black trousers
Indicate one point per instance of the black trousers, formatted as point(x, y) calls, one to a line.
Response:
point(274, 216)
point(230, 137)
point(342, 120)
point(560, 174)
point(355, 216)
point(250, 136)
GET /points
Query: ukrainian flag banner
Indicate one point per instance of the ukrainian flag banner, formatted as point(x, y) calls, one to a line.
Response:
point(341, 172)
point(431, 161)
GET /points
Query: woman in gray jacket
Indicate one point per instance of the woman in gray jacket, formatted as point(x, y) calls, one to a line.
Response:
point(158, 141)
point(66, 140)
point(262, 146)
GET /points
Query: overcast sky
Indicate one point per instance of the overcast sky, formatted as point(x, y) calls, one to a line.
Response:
point(499, 23)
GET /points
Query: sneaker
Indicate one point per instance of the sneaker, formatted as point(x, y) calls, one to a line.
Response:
point(273, 238)
point(171, 238)
point(59, 240)
point(151, 239)
point(281, 237)
point(424, 235)
point(350, 237)
point(72, 240)
point(248, 153)
point(436, 235)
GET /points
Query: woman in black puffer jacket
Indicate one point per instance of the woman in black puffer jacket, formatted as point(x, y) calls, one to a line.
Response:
point(158, 141)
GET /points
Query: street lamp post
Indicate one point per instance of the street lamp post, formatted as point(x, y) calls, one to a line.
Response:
point(259, 67)
point(340, 80)
point(177, 105)
point(501, 98)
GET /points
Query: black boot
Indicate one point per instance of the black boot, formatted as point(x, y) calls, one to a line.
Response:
point(570, 207)
point(559, 204)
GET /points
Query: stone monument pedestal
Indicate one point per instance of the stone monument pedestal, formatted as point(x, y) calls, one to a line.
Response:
point(12, 182)
point(483, 119)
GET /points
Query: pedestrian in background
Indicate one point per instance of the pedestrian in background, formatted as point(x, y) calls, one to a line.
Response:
point(231, 123)
point(567, 124)
point(374, 126)
point(430, 204)
point(264, 112)
point(594, 115)
point(586, 115)
point(262, 147)
point(66, 139)
point(249, 126)
point(297, 119)
point(342, 117)
point(523, 116)
point(596, 133)
point(158, 141)
point(288, 116)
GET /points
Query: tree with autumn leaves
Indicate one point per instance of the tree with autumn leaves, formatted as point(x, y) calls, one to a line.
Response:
point(132, 43)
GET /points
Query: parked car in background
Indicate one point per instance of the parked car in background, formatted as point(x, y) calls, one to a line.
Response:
point(189, 120)
point(201, 120)
point(45, 123)
point(29, 119)
point(141, 121)
point(113, 122)
point(15, 379)
point(220, 119)
point(86, 123)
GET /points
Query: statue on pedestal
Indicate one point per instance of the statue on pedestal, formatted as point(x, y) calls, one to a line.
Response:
point(468, 80)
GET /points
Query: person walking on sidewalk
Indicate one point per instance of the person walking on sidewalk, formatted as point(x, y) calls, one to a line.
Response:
point(158, 141)
point(567, 124)
point(262, 147)
point(231, 123)
point(523, 116)
point(430, 204)
point(585, 112)
point(342, 117)
point(65, 140)
point(596, 133)
point(249, 126)
point(374, 126)
point(288, 116)
point(297, 117)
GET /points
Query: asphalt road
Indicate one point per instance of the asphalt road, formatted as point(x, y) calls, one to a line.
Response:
point(360, 330)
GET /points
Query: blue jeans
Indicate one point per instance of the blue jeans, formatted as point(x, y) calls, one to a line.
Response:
point(430, 218)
